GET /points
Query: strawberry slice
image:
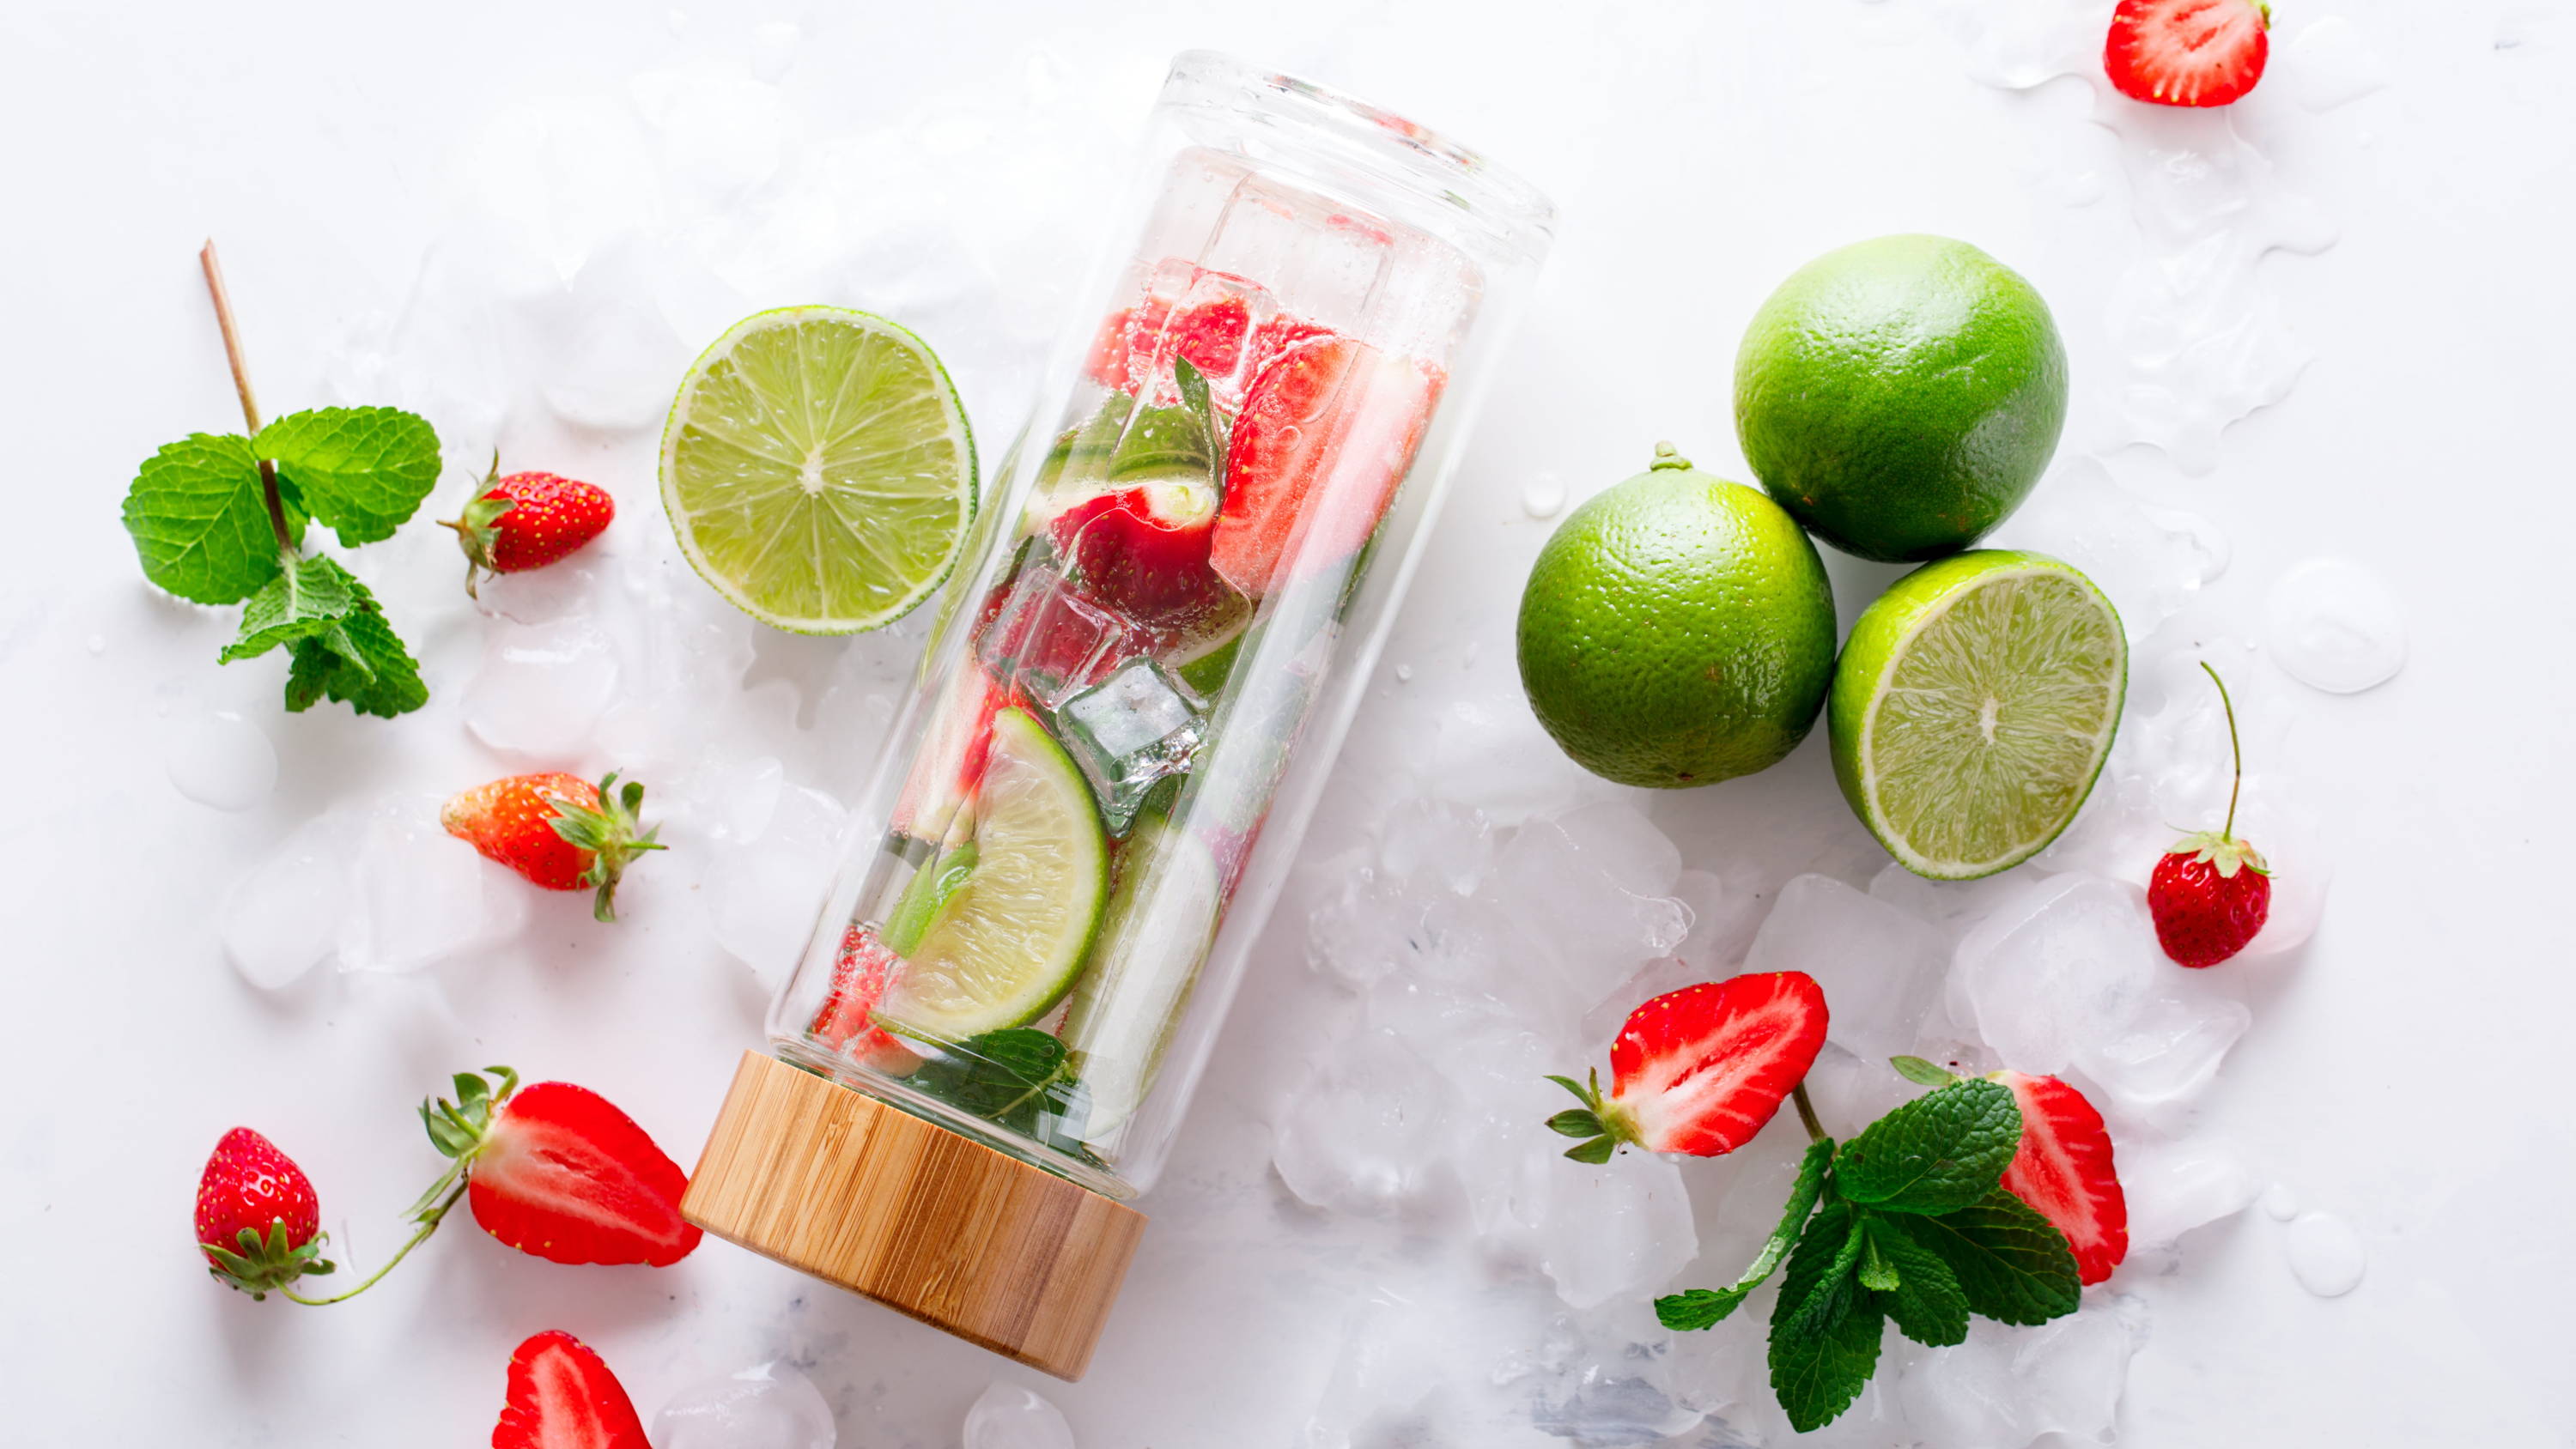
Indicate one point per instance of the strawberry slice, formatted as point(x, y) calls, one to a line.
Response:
point(1225, 325)
point(1143, 550)
point(561, 1396)
point(562, 1174)
point(1700, 1070)
point(859, 976)
point(2064, 1172)
point(1328, 430)
point(2187, 52)
point(949, 767)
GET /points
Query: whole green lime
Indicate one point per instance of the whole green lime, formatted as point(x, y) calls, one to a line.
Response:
point(1901, 396)
point(1677, 630)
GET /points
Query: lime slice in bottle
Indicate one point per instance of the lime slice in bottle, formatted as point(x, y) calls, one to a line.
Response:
point(1972, 708)
point(1010, 937)
point(818, 470)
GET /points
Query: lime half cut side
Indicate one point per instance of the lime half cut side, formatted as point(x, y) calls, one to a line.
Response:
point(1973, 707)
point(1007, 944)
point(818, 470)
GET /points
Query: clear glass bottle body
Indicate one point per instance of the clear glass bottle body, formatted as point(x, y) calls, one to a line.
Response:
point(1147, 657)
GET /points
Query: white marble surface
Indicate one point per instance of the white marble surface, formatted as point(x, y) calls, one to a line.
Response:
point(2404, 1072)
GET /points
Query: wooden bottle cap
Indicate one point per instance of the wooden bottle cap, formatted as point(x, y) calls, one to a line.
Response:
point(829, 1180)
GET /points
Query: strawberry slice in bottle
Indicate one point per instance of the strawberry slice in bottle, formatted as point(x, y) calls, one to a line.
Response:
point(1142, 550)
point(1328, 430)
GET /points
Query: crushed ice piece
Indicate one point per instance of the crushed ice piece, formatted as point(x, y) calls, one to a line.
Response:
point(767, 1406)
point(2279, 1203)
point(1129, 733)
point(721, 132)
point(2326, 1255)
point(283, 914)
point(1621, 1228)
point(2328, 64)
point(606, 355)
point(1543, 496)
point(542, 688)
point(1592, 891)
point(1851, 1091)
point(2008, 1386)
point(1361, 1133)
point(2172, 1048)
point(1009, 1416)
point(764, 888)
point(1879, 966)
point(551, 179)
point(774, 44)
point(1050, 641)
point(2174, 1187)
point(537, 596)
point(2073, 966)
point(219, 759)
point(2334, 625)
point(1452, 845)
point(2148, 560)
point(420, 895)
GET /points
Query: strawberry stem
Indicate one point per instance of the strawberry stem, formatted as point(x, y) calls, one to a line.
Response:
point(2235, 751)
point(429, 1220)
point(1807, 1113)
point(214, 270)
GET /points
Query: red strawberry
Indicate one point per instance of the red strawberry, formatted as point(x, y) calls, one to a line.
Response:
point(2187, 52)
point(2065, 1174)
point(1207, 318)
point(2212, 892)
point(1328, 429)
point(561, 1396)
point(258, 1221)
point(554, 1170)
point(1700, 1070)
point(557, 830)
point(859, 977)
point(527, 521)
point(1143, 550)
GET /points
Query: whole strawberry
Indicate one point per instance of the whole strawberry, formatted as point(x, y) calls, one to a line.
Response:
point(558, 831)
point(258, 1220)
point(2212, 892)
point(1699, 1070)
point(527, 521)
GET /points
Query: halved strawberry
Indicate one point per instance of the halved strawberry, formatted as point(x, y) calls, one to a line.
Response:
point(2187, 52)
point(1226, 327)
point(561, 1173)
point(561, 1396)
point(1143, 550)
point(2064, 1172)
point(1328, 430)
point(847, 1020)
point(949, 766)
point(1700, 1070)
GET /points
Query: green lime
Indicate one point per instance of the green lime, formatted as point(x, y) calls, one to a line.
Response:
point(1973, 707)
point(1677, 630)
point(1901, 396)
point(1009, 940)
point(818, 469)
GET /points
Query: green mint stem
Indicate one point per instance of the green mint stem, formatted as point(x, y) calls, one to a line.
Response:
point(1807, 1113)
point(428, 1224)
point(214, 270)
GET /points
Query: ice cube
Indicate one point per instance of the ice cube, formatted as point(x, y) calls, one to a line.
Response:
point(764, 893)
point(218, 759)
point(1447, 843)
point(542, 687)
point(1725, 913)
point(767, 1406)
point(422, 896)
point(2007, 1386)
point(1592, 888)
point(605, 355)
point(2072, 966)
point(283, 915)
point(2149, 560)
point(1009, 1416)
point(2334, 625)
point(1624, 1227)
point(1362, 1132)
point(2172, 1048)
point(1850, 1091)
point(1880, 967)
point(2174, 1187)
point(1364, 929)
point(1129, 733)
point(1659, 977)
point(1050, 641)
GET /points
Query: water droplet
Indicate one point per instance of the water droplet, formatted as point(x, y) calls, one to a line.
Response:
point(2326, 1255)
point(1404, 674)
point(219, 759)
point(97, 644)
point(2334, 625)
point(1543, 496)
point(2280, 1203)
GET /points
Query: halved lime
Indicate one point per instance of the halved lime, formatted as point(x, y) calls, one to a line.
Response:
point(818, 469)
point(1010, 939)
point(1972, 708)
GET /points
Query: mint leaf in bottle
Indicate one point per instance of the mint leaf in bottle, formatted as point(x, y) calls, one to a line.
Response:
point(1939, 1152)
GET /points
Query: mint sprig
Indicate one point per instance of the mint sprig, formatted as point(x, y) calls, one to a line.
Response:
point(220, 519)
point(1906, 1223)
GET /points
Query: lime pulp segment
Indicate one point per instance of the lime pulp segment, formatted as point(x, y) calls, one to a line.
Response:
point(818, 469)
point(1010, 940)
point(1989, 720)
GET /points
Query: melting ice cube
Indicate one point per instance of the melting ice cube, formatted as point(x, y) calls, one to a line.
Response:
point(1050, 641)
point(1011, 1417)
point(767, 1406)
point(1129, 732)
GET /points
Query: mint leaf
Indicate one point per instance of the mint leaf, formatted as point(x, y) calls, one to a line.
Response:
point(200, 519)
point(1877, 1271)
point(1707, 1307)
point(1018, 1077)
point(356, 660)
point(1921, 1072)
point(1937, 1153)
point(1926, 1304)
point(300, 602)
point(1825, 1327)
point(2012, 1265)
point(1194, 393)
point(363, 471)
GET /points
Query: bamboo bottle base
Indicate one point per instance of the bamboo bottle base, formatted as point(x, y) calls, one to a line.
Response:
point(829, 1180)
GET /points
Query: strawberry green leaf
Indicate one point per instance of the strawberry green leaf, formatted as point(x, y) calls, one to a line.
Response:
point(199, 518)
point(1926, 1302)
point(1825, 1328)
point(1921, 1072)
point(363, 471)
point(301, 601)
point(1595, 1152)
point(1937, 1153)
point(1707, 1307)
point(2010, 1263)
